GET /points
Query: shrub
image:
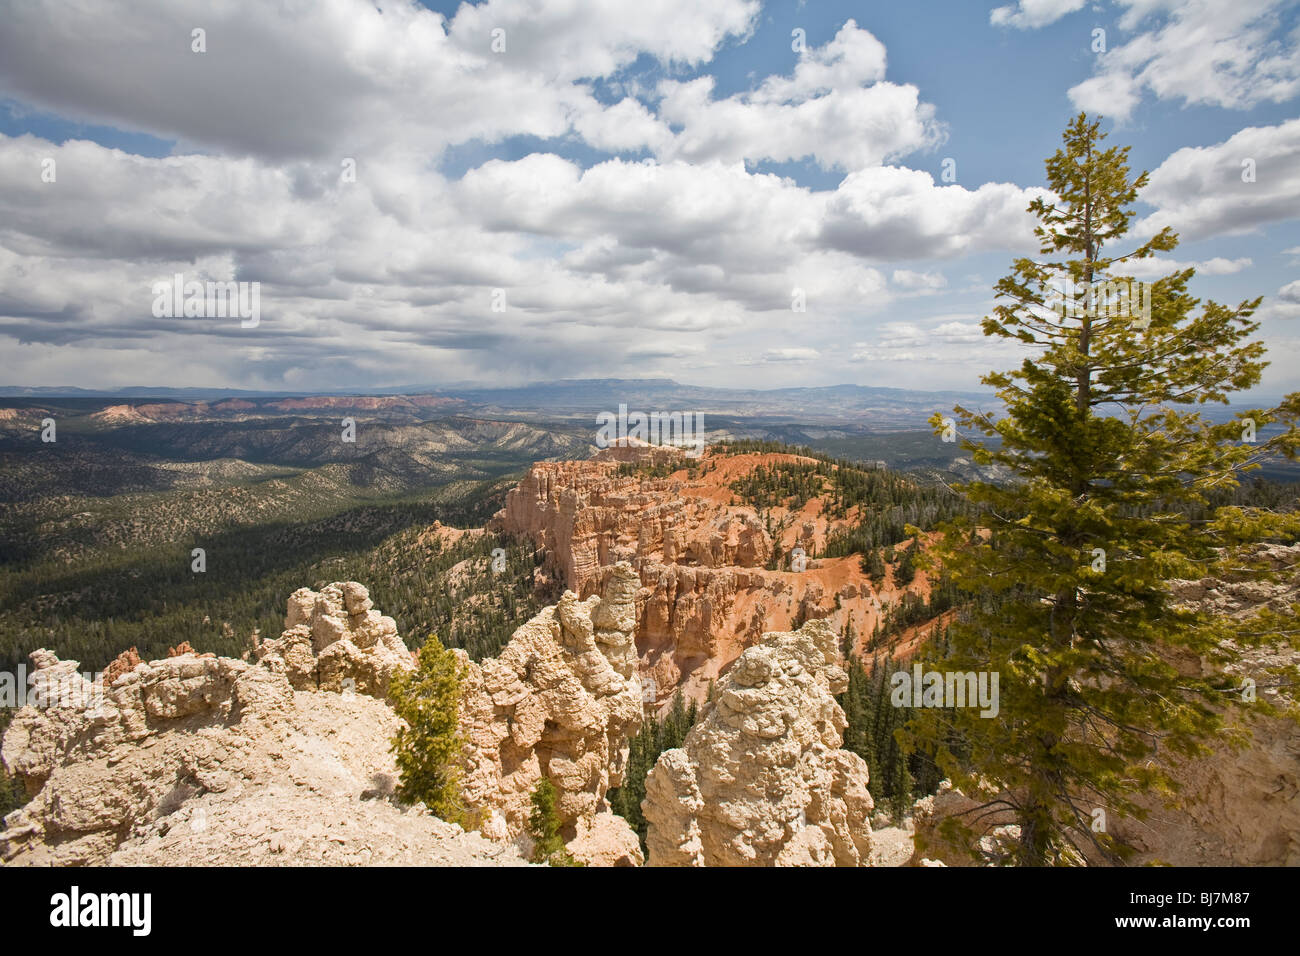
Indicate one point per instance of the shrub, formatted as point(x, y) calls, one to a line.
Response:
point(544, 828)
point(427, 748)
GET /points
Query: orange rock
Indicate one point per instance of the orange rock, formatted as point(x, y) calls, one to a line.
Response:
point(707, 591)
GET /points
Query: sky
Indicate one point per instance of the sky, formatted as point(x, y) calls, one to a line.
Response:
point(520, 191)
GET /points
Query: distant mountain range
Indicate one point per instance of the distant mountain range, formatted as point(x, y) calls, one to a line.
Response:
point(745, 412)
point(859, 405)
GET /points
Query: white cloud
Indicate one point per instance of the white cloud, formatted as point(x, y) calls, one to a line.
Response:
point(790, 355)
point(566, 41)
point(1200, 191)
point(1111, 94)
point(960, 332)
point(627, 126)
point(1201, 52)
point(952, 343)
point(348, 78)
point(1285, 305)
point(689, 260)
point(836, 109)
point(1031, 14)
point(1156, 267)
point(390, 278)
point(912, 281)
point(888, 213)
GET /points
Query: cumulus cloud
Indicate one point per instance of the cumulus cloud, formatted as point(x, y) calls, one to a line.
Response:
point(836, 108)
point(790, 355)
point(345, 78)
point(1200, 52)
point(1237, 186)
point(1284, 305)
point(398, 269)
point(653, 247)
point(570, 41)
point(953, 342)
point(888, 212)
point(960, 332)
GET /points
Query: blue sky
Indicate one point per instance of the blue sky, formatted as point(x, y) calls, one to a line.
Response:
point(622, 191)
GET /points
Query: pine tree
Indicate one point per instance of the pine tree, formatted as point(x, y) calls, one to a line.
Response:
point(905, 572)
point(900, 791)
point(848, 640)
point(1073, 610)
point(873, 565)
point(544, 828)
point(428, 745)
point(644, 749)
point(675, 725)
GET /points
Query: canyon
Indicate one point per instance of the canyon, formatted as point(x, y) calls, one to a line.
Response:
point(705, 559)
point(671, 581)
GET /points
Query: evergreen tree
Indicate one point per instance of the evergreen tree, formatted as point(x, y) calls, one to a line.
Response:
point(873, 565)
point(905, 572)
point(544, 828)
point(1073, 609)
point(654, 738)
point(848, 640)
point(900, 796)
point(428, 746)
point(675, 725)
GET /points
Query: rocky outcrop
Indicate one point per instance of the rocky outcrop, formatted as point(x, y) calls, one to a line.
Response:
point(561, 700)
point(993, 830)
point(761, 779)
point(335, 640)
point(201, 761)
point(198, 759)
point(706, 560)
point(128, 660)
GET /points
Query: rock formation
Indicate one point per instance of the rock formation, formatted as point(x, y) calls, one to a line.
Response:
point(126, 661)
point(702, 558)
point(562, 700)
point(994, 830)
point(761, 779)
point(335, 640)
point(256, 749)
point(199, 759)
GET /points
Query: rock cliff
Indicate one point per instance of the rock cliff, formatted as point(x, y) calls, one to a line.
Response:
point(702, 556)
point(196, 761)
point(287, 759)
point(1241, 807)
point(561, 700)
point(199, 760)
point(335, 640)
point(761, 779)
